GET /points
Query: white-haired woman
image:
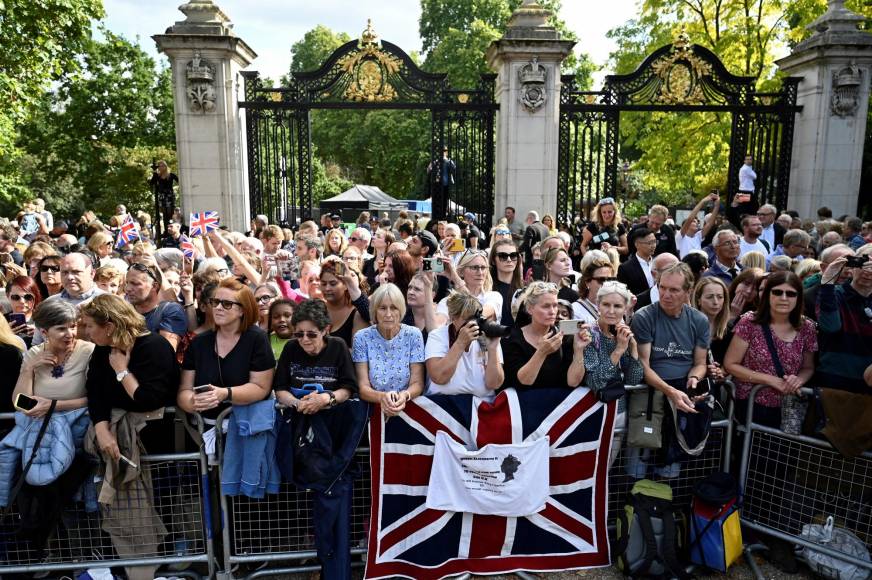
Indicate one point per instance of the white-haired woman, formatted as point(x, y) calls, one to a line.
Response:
point(537, 354)
point(613, 353)
point(389, 356)
point(461, 361)
point(473, 270)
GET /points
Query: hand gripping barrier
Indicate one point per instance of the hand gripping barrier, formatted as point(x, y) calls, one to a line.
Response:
point(80, 540)
point(793, 480)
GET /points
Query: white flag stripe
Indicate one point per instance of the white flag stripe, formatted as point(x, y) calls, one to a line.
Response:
point(416, 538)
point(571, 487)
point(408, 449)
point(580, 544)
point(465, 536)
point(450, 422)
point(516, 417)
point(401, 521)
point(573, 449)
point(596, 407)
point(571, 513)
point(400, 489)
point(509, 542)
point(545, 426)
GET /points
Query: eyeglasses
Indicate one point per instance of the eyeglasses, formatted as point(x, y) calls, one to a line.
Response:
point(507, 256)
point(476, 268)
point(225, 304)
point(310, 334)
point(53, 269)
point(109, 243)
point(730, 244)
point(265, 299)
point(764, 214)
point(648, 243)
point(603, 279)
point(789, 293)
point(145, 270)
point(24, 297)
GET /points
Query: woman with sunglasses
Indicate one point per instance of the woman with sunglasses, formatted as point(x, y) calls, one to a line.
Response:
point(48, 278)
point(473, 277)
point(264, 296)
point(234, 360)
point(606, 229)
point(506, 272)
point(101, 244)
point(750, 359)
point(596, 273)
point(23, 294)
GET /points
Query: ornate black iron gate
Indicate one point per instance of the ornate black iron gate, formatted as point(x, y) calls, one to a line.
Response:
point(368, 74)
point(677, 77)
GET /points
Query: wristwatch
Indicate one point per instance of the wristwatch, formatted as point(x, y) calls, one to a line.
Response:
point(120, 376)
point(332, 402)
point(229, 398)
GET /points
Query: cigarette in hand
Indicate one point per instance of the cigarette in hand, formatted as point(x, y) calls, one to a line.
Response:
point(128, 462)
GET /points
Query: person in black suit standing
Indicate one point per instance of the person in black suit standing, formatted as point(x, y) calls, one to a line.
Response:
point(664, 234)
point(773, 232)
point(636, 271)
point(536, 232)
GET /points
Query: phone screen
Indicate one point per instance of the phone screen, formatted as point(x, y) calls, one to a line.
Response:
point(202, 389)
point(16, 319)
point(24, 402)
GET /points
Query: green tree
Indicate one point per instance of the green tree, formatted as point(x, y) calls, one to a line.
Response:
point(311, 51)
point(39, 41)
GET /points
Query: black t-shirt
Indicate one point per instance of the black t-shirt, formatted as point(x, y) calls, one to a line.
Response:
point(252, 353)
point(331, 368)
point(10, 362)
point(152, 362)
point(505, 291)
point(517, 352)
point(613, 239)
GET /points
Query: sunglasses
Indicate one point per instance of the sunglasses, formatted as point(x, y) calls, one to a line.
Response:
point(225, 304)
point(503, 232)
point(789, 293)
point(353, 239)
point(25, 297)
point(310, 334)
point(603, 279)
point(507, 256)
point(54, 269)
point(145, 270)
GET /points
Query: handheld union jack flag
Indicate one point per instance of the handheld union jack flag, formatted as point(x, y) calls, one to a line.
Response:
point(203, 223)
point(129, 232)
point(187, 247)
point(408, 539)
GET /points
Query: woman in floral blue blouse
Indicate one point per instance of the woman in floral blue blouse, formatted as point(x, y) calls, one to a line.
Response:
point(389, 356)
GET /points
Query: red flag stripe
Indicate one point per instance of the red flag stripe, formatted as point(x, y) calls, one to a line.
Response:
point(571, 415)
point(567, 523)
point(488, 535)
point(494, 422)
point(566, 470)
point(430, 423)
point(402, 469)
point(419, 522)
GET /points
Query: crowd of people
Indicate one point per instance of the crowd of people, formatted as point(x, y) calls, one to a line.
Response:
point(386, 310)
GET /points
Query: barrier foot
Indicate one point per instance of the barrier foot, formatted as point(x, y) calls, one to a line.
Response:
point(748, 552)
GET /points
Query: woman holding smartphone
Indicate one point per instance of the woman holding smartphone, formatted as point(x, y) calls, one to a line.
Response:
point(347, 305)
point(24, 295)
point(55, 369)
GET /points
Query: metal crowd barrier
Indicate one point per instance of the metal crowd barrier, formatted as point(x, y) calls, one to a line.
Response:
point(793, 480)
point(80, 540)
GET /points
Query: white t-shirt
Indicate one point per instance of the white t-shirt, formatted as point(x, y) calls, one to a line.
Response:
point(757, 246)
point(469, 375)
point(495, 299)
point(688, 243)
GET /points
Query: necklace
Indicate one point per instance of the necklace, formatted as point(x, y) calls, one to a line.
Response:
point(57, 371)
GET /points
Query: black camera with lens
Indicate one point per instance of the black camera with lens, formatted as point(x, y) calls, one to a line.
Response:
point(856, 261)
point(491, 329)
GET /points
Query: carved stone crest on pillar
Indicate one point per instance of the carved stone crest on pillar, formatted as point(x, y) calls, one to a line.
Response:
point(846, 91)
point(200, 77)
point(533, 76)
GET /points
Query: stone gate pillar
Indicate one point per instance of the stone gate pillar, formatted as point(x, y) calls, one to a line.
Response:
point(206, 58)
point(835, 63)
point(527, 61)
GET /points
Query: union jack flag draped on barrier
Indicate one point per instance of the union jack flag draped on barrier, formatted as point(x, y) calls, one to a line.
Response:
point(203, 223)
point(407, 538)
point(129, 232)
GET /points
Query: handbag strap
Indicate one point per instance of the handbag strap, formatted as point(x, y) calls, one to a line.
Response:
point(42, 429)
point(773, 351)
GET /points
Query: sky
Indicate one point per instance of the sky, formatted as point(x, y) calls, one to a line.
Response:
point(270, 27)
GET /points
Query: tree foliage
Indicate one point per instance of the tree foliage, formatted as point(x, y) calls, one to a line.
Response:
point(90, 142)
point(680, 155)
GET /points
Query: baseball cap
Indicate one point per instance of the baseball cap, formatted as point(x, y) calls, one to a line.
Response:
point(429, 241)
point(470, 217)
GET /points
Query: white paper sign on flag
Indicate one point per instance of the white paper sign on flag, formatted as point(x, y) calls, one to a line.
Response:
point(500, 480)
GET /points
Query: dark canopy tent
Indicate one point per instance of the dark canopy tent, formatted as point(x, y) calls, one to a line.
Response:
point(361, 198)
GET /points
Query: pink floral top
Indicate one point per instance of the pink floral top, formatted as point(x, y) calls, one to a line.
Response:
point(758, 359)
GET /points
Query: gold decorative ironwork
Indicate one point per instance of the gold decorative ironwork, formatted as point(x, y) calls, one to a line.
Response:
point(462, 98)
point(369, 69)
point(590, 99)
point(681, 72)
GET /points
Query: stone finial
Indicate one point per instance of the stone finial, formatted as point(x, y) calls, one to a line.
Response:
point(530, 21)
point(836, 26)
point(202, 17)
